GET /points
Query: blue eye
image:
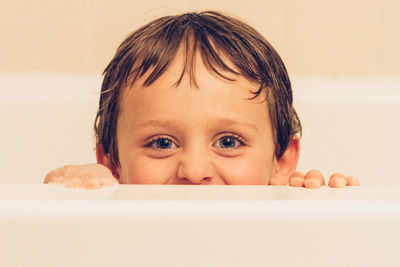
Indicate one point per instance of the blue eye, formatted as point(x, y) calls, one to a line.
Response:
point(229, 142)
point(161, 143)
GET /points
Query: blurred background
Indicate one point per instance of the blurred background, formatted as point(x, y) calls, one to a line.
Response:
point(314, 37)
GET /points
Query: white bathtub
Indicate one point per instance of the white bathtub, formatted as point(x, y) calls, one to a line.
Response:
point(145, 225)
point(350, 125)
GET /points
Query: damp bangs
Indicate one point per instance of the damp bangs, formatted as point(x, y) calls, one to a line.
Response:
point(151, 49)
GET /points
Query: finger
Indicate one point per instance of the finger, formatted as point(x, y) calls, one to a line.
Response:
point(106, 181)
point(314, 179)
point(91, 183)
point(337, 180)
point(51, 176)
point(352, 181)
point(103, 175)
point(48, 177)
point(297, 179)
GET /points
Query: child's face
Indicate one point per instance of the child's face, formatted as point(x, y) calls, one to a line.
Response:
point(212, 134)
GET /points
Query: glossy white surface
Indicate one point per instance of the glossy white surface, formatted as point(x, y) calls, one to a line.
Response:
point(199, 226)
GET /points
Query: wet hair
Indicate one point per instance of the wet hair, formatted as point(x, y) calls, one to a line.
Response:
point(215, 37)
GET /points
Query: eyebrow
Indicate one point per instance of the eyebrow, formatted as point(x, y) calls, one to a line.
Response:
point(232, 122)
point(155, 123)
point(217, 122)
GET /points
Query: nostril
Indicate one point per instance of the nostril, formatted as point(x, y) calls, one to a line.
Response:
point(205, 180)
point(186, 181)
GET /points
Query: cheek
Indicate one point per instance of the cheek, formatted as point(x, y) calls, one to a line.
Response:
point(145, 170)
point(249, 171)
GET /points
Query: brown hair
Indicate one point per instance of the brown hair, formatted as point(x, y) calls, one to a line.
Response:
point(213, 35)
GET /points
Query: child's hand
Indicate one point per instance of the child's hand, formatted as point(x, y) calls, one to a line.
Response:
point(89, 176)
point(315, 179)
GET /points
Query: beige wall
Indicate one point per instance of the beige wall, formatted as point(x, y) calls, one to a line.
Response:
point(314, 37)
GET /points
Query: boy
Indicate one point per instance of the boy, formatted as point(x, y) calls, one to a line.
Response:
point(198, 98)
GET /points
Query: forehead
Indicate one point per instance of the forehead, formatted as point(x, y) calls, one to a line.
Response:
point(210, 96)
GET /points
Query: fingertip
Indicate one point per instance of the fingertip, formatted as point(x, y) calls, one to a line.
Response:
point(312, 183)
point(297, 179)
point(315, 175)
point(296, 182)
point(352, 181)
point(337, 180)
point(337, 174)
point(49, 177)
point(46, 179)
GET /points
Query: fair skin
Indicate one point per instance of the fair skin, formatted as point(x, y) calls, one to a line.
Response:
point(209, 134)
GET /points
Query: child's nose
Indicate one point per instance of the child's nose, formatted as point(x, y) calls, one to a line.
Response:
point(196, 167)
